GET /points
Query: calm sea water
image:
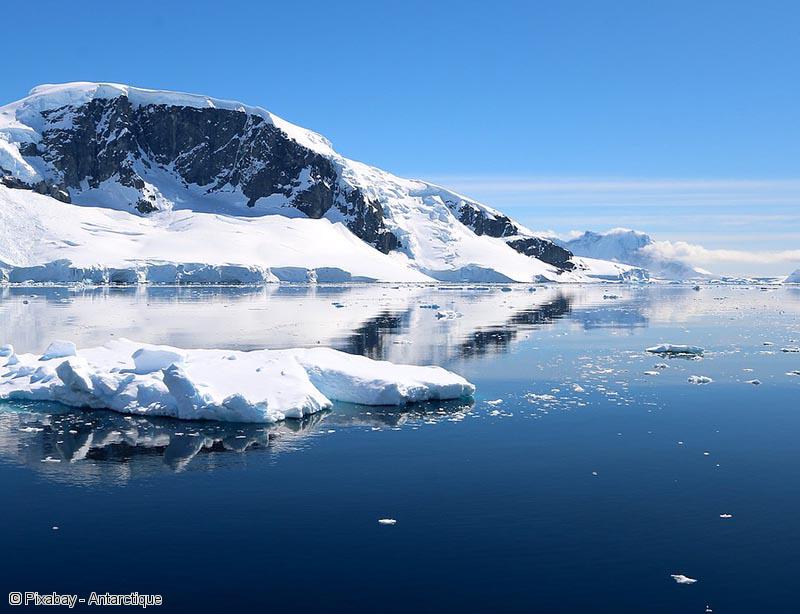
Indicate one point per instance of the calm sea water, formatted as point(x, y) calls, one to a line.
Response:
point(575, 482)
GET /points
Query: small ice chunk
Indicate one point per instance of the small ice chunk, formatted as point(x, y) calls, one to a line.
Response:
point(447, 314)
point(674, 348)
point(59, 349)
point(699, 379)
point(726, 515)
point(6, 350)
point(577, 388)
point(681, 579)
point(651, 373)
point(791, 349)
point(754, 382)
point(795, 372)
point(661, 365)
point(494, 402)
point(387, 521)
point(429, 306)
point(610, 297)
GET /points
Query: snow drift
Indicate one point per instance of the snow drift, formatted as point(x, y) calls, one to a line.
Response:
point(233, 386)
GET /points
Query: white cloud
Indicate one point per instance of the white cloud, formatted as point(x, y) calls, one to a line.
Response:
point(691, 253)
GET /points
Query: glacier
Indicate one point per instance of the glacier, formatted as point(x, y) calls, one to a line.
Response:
point(258, 386)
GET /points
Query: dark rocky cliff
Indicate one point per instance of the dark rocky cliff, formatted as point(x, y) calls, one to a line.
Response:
point(217, 149)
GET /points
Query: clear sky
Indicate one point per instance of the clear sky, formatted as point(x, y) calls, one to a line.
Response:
point(679, 118)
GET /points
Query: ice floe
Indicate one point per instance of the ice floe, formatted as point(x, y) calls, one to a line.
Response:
point(681, 579)
point(676, 349)
point(235, 386)
point(699, 379)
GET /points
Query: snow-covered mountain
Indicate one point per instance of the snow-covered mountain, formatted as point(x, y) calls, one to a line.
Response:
point(633, 248)
point(181, 187)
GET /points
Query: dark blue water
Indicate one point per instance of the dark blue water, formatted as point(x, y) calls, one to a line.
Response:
point(582, 491)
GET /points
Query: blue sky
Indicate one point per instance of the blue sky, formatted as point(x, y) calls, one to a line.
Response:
point(678, 118)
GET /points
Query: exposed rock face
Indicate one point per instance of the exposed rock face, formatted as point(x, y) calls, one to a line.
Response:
point(483, 222)
point(217, 149)
point(545, 250)
point(494, 224)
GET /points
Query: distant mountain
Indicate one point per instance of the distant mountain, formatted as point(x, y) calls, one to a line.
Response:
point(633, 248)
point(167, 178)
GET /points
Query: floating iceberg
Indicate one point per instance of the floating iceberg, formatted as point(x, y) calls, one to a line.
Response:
point(699, 379)
point(681, 579)
point(234, 386)
point(677, 349)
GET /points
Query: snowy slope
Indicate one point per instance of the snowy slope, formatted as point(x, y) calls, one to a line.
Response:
point(633, 248)
point(179, 174)
point(99, 243)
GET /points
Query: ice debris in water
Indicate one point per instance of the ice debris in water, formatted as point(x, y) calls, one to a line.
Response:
point(681, 579)
point(791, 349)
point(387, 521)
point(651, 372)
point(6, 350)
point(699, 379)
point(494, 402)
point(754, 382)
point(259, 386)
point(677, 349)
point(726, 515)
point(447, 314)
point(795, 372)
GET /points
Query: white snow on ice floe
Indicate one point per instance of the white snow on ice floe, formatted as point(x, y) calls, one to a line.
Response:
point(681, 579)
point(699, 379)
point(673, 348)
point(389, 521)
point(234, 386)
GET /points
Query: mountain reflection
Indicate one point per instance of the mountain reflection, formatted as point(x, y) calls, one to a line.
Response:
point(498, 338)
point(85, 445)
point(371, 337)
